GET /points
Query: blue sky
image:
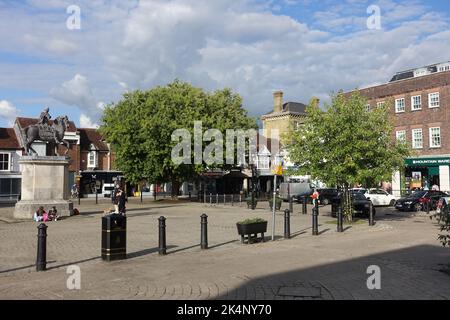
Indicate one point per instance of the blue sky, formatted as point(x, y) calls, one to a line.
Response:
point(306, 48)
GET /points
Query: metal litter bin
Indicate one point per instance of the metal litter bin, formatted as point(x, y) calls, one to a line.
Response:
point(114, 237)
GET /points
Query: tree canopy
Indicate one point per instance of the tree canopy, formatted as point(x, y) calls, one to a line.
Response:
point(141, 124)
point(347, 144)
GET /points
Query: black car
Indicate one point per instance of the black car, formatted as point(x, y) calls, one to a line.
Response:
point(326, 196)
point(361, 205)
point(418, 200)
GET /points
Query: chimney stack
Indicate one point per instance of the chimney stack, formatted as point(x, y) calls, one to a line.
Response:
point(278, 101)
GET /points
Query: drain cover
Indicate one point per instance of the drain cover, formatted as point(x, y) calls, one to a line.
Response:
point(300, 291)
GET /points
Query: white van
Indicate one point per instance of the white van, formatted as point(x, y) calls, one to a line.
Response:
point(107, 190)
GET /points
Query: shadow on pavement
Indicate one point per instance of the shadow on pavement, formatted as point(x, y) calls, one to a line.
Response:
point(418, 272)
point(145, 252)
point(71, 263)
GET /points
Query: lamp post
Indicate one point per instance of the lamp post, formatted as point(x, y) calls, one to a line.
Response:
point(254, 181)
point(277, 166)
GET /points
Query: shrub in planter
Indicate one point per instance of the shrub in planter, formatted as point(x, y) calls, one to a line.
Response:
point(251, 226)
point(278, 203)
point(249, 202)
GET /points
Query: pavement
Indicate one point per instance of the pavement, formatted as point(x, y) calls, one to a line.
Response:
point(330, 266)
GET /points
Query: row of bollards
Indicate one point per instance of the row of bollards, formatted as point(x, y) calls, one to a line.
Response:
point(41, 260)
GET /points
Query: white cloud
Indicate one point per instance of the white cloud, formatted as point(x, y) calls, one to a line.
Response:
point(86, 122)
point(125, 45)
point(8, 112)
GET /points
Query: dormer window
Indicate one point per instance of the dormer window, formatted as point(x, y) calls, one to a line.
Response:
point(92, 157)
point(5, 162)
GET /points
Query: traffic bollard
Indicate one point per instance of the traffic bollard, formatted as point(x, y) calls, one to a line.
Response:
point(217, 198)
point(315, 223)
point(428, 206)
point(232, 200)
point(210, 199)
point(204, 231)
point(41, 260)
point(340, 220)
point(224, 200)
point(162, 236)
point(304, 205)
point(371, 222)
point(287, 224)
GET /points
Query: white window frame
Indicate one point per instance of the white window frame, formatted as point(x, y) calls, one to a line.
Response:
point(399, 134)
point(396, 105)
point(430, 102)
point(413, 103)
point(368, 107)
point(380, 104)
point(94, 152)
point(263, 162)
point(432, 145)
point(414, 146)
point(8, 162)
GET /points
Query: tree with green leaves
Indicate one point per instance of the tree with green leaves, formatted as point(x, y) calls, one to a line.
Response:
point(141, 124)
point(346, 145)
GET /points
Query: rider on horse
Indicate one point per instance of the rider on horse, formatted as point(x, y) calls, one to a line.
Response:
point(44, 117)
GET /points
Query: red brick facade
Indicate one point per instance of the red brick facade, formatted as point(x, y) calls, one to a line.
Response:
point(424, 118)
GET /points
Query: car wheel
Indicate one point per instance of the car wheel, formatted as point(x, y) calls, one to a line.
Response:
point(392, 203)
point(417, 207)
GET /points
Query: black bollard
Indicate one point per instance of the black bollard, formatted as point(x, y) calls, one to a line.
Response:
point(287, 224)
point(96, 196)
point(428, 206)
point(291, 204)
point(143, 192)
point(315, 222)
point(304, 205)
point(224, 199)
point(232, 200)
point(340, 220)
point(162, 236)
point(371, 222)
point(79, 197)
point(41, 260)
point(253, 200)
point(204, 231)
point(210, 199)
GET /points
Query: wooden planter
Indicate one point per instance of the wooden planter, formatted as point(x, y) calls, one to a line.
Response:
point(251, 230)
point(277, 205)
point(249, 202)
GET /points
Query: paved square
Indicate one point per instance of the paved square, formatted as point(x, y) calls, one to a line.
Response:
point(328, 266)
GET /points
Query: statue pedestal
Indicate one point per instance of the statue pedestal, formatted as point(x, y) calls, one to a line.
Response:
point(44, 183)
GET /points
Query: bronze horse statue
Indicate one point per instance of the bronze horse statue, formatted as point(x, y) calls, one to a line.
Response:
point(53, 134)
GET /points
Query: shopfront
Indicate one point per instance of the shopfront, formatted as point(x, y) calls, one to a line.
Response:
point(426, 172)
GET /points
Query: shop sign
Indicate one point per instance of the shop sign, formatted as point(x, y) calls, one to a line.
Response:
point(428, 162)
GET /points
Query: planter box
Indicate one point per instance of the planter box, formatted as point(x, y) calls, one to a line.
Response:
point(277, 206)
point(249, 202)
point(251, 229)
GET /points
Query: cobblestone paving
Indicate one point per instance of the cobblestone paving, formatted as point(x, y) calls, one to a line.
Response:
point(328, 266)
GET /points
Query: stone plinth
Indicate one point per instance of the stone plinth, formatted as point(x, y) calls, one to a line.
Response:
point(44, 183)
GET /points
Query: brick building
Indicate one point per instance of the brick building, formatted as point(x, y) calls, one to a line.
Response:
point(419, 103)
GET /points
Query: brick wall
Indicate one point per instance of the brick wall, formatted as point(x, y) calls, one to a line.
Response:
point(424, 118)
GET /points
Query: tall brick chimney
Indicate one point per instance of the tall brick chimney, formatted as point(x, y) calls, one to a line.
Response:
point(278, 101)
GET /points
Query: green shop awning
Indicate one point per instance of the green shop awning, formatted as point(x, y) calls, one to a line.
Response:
point(427, 162)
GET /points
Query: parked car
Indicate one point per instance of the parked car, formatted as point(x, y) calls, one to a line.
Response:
point(327, 195)
point(361, 205)
point(417, 200)
point(380, 197)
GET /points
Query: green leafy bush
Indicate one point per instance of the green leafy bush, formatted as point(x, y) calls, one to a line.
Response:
point(252, 220)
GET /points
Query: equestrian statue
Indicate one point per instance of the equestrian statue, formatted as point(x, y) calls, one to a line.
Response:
point(46, 132)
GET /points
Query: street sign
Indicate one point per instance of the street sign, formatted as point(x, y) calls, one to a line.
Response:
point(277, 170)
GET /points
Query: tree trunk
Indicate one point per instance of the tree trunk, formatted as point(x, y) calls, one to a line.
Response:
point(175, 187)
